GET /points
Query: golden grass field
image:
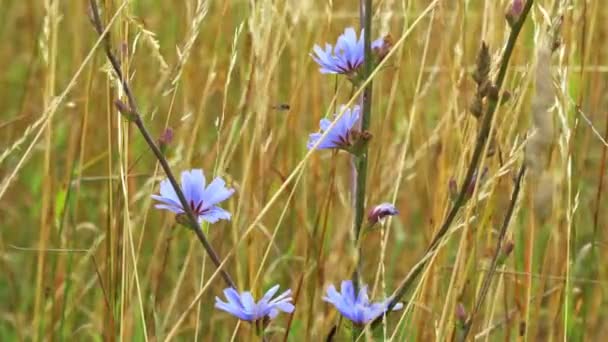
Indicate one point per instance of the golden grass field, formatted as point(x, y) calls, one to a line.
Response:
point(85, 256)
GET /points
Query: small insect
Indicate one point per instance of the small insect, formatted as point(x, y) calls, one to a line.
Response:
point(282, 107)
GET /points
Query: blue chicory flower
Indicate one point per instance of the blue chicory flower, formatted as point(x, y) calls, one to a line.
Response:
point(341, 134)
point(347, 56)
point(243, 306)
point(202, 200)
point(357, 309)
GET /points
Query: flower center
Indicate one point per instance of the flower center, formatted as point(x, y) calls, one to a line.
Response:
point(197, 208)
point(344, 140)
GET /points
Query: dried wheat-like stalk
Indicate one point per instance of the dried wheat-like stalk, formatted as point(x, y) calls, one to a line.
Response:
point(149, 38)
point(183, 54)
point(540, 143)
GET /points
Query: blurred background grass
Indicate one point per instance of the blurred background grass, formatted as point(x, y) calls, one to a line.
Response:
point(83, 256)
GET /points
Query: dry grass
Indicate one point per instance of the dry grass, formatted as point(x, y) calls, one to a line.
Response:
point(85, 256)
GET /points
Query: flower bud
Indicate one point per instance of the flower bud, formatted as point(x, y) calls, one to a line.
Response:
point(477, 178)
point(358, 142)
point(461, 313)
point(165, 139)
point(381, 50)
point(183, 220)
point(483, 63)
point(453, 189)
point(476, 107)
point(125, 110)
point(517, 6)
point(507, 248)
point(380, 212)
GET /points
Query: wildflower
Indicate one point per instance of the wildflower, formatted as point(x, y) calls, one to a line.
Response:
point(357, 309)
point(243, 306)
point(202, 200)
point(343, 135)
point(347, 56)
point(380, 212)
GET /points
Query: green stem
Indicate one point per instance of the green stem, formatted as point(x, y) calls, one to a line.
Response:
point(480, 146)
point(360, 161)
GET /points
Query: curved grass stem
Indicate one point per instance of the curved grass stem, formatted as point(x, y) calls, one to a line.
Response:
point(135, 116)
point(499, 244)
point(480, 146)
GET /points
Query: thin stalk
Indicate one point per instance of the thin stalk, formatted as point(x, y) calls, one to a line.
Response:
point(480, 146)
point(135, 116)
point(488, 276)
point(360, 161)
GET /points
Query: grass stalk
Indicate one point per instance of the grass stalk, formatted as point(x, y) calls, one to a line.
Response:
point(135, 116)
point(480, 145)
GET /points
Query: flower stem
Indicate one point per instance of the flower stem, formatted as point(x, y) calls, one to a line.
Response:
point(135, 116)
point(480, 145)
point(360, 161)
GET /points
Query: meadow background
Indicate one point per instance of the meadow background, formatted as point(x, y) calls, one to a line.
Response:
point(85, 256)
